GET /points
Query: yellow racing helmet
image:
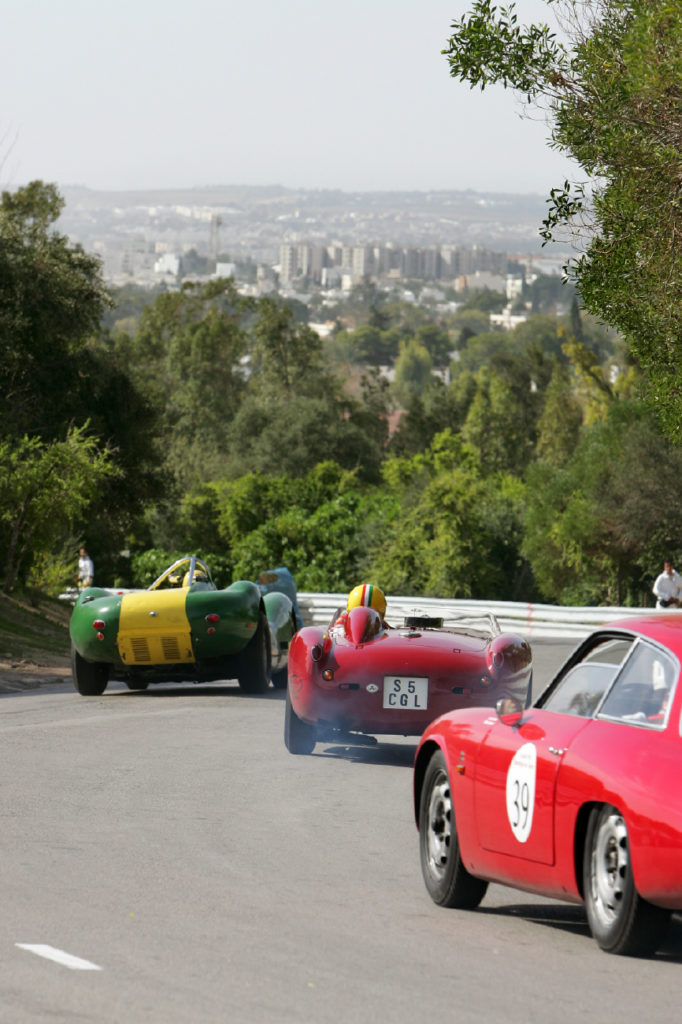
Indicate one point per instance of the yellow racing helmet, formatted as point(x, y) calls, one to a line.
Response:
point(368, 596)
point(199, 577)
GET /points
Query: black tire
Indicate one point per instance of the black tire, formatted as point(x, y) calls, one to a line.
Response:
point(137, 684)
point(279, 678)
point(89, 677)
point(448, 882)
point(253, 669)
point(299, 736)
point(619, 919)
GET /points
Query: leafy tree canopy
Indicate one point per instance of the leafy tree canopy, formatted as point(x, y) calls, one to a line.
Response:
point(51, 300)
point(612, 92)
point(46, 488)
point(599, 524)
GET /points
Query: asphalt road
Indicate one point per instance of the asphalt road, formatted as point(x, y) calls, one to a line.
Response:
point(201, 873)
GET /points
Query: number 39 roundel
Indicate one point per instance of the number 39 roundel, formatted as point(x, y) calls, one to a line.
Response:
point(521, 791)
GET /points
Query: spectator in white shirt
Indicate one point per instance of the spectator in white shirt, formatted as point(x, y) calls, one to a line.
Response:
point(668, 587)
point(86, 569)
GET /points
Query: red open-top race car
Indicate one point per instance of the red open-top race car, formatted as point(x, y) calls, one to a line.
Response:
point(362, 676)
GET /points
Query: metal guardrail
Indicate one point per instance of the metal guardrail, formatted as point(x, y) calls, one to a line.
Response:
point(541, 621)
point(538, 621)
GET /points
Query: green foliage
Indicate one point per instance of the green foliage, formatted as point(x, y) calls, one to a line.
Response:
point(366, 344)
point(47, 488)
point(412, 370)
point(127, 303)
point(51, 300)
point(559, 424)
point(455, 533)
point(483, 300)
point(614, 96)
point(320, 525)
point(598, 525)
point(147, 566)
point(496, 425)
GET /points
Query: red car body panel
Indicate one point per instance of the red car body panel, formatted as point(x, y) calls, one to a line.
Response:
point(337, 676)
point(577, 762)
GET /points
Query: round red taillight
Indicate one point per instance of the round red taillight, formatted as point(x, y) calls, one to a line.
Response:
point(212, 617)
point(99, 624)
point(211, 630)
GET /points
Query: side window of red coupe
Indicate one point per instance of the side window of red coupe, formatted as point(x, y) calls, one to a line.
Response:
point(582, 688)
point(642, 692)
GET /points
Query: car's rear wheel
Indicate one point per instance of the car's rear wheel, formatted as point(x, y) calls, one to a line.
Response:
point(619, 919)
point(279, 678)
point(448, 882)
point(254, 661)
point(89, 677)
point(299, 736)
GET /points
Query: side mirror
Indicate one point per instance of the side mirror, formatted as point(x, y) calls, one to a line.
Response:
point(509, 711)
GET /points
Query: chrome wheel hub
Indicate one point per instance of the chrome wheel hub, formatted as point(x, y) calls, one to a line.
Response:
point(439, 829)
point(610, 868)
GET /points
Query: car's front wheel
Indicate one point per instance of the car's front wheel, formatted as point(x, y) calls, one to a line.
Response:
point(254, 661)
point(299, 737)
point(448, 882)
point(89, 677)
point(619, 919)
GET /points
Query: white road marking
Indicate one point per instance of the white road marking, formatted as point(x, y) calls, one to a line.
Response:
point(59, 956)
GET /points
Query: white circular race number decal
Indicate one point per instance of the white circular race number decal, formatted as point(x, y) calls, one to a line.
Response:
point(521, 791)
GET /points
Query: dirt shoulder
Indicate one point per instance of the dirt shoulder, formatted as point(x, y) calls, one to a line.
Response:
point(25, 675)
point(34, 642)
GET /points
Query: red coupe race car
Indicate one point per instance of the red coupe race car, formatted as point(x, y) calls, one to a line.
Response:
point(575, 798)
point(362, 676)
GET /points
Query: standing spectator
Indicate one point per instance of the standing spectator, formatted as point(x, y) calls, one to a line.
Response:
point(86, 570)
point(668, 587)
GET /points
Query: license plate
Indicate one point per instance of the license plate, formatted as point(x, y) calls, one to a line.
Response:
point(406, 693)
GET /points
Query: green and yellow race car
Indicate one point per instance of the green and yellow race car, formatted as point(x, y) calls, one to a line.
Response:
point(183, 628)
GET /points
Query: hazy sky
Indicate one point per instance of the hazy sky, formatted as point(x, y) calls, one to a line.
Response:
point(123, 94)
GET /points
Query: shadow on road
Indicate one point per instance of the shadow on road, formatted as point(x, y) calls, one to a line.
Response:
point(570, 917)
point(199, 690)
point(369, 751)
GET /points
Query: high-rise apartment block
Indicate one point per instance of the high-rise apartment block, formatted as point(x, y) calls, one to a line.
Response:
point(448, 263)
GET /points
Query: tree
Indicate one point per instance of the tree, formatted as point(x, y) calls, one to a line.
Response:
point(186, 358)
point(613, 96)
point(412, 370)
point(51, 299)
point(437, 343)
point(454, 533)
point(502, 418)
point(599, 524)
point(47, 488)
point(560, 421)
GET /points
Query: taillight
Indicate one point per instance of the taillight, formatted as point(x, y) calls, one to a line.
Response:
point(212, 617)
point(99, 624)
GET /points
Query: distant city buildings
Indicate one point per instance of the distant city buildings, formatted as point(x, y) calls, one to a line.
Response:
point(328, 265)
point(300, 241)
